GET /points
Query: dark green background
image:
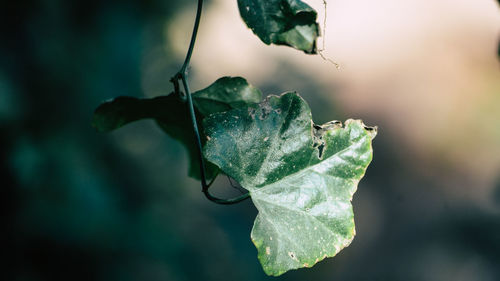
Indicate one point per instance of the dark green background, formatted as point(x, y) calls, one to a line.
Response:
point(79, 205)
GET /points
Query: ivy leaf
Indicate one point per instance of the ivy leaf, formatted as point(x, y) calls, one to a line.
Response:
point(282, 22)
point(224, 94)
point(172, 116)
point(169, 112)
point(120, 111)
point(301, 176)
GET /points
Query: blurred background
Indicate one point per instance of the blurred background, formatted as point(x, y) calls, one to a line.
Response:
point(78, 205)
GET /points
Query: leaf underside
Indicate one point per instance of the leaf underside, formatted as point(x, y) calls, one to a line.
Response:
point(301, 176)
point(172, 116)
point(282, 22)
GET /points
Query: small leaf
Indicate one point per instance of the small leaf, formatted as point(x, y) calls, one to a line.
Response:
point(172, 116)
point(169, 112)
point(301, 176)
point(224, 94)
point(282, 22)
point(120, 111)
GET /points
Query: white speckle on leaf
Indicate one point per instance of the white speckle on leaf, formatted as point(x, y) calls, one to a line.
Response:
point(266, 138)
point(268, 250)
point(251, 112)
point(337, 249)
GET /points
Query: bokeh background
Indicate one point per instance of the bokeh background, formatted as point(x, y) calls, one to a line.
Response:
point(79, 205)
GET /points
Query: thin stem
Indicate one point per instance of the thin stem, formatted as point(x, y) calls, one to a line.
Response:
point(204, 185)
point(239, 188)
point(196, 132)
point(182, 75)
point(320, 51)
point(185, 65)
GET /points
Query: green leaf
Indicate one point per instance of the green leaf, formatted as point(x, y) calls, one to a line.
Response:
point(172, 116)
point(282, 22)
point(169, 112)
point(120, 111)
point(224, 94)
point(301, 176)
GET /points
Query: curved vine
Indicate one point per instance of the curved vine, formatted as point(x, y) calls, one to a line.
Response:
point(300, 176)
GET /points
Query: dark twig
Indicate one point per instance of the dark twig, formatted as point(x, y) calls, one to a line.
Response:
point(182, 75)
